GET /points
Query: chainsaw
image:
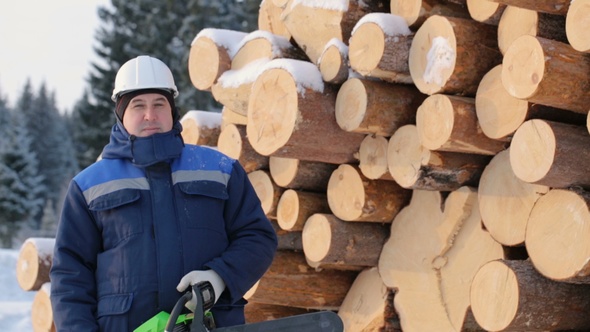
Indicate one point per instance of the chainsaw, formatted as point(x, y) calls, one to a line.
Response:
point(201, 320)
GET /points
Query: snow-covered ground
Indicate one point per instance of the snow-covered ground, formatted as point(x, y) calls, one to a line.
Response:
point(15, 303)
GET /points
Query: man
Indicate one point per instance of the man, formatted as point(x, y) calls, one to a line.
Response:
point(154, 216)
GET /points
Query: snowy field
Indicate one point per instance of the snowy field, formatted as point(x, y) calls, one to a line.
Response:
point(15, 303)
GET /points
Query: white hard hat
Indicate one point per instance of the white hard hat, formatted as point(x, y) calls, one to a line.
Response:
point(143, 72)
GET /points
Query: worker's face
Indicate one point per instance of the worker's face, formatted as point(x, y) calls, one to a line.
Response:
point(147, 114)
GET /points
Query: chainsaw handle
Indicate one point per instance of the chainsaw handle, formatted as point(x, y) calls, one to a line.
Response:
point(178, 307)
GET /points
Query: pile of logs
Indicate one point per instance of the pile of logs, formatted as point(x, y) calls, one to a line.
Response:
point(423, 162)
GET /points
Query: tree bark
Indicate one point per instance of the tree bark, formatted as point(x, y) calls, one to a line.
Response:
point(353, 197)
point(516, 22)
point(557, 235)
point(371, 107)
point(288, 240)
point(267, 191)
point(364, 304)
point(547, 72)
point(300, 174)
point(559, 7)
point(33, 263)
point(201, 127)
point(295, 206)
point(373, 158)
point(499, 114)
point(549, 153)
point(333, 62)
point(290, 117)
point(485, 11)
point(313, 26)
point(413, 166)
point(210, 55)
point(327, 239)
point(291, 282)
point(505, 201)
point(233, 142)
point(577, 25)
point(41, 311)
point(429, 259)
point(376, 50)
point(449, 123)
point(513, 296)
point(415, 12)
point(451, 55)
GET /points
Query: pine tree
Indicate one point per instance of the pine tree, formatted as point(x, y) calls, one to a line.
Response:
point(21, 185)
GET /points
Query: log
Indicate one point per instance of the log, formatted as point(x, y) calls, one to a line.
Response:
point(327, 239)
point(269, 19)
point(234, 86)
point(312, 25)
point(262, 44)
point(333, 62)
point(210, 55)
point(499, 114)
point(228, 116)
point(380, 46)
point(296, 206)
point(577, 25)
point(201, 127)
point(430, 259)
point(415, 12)
point(353, 197)
point(373, 158)
point(365, 303)
point(267, 191)
point(260, 312)
point(505, 201)
point(557, 235)
point(371, 107)
point(547, 72)
point(485, 11)
point(516, 22)
point(559, 7)
point(41, 311)
point(300, 174)
point(233, 142)
point(449, 123)
point(33, 263)
point(288, 240)
point(291, 115)
point(451, 55)
point(513, 296)
point(549, 153)
point(291, 282)
point(413, 166)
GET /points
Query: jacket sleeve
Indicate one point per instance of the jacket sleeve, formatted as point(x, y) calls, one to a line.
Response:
point(73, 285)
point(252, 239)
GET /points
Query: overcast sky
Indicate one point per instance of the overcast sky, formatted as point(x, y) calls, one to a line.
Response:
point(47, 40)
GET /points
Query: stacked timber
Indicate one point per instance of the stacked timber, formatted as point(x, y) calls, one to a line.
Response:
point(443, 143)
point(32, 273)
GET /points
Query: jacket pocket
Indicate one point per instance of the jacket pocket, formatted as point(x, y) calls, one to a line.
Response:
point(203, 204)
point(119, 214)
point(112, 312)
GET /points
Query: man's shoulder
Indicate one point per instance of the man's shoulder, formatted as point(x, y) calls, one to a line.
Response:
point(199, 156)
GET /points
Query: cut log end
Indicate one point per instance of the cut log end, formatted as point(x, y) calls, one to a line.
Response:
point(270, 124)
point(405, 156)
point(577, 25)
point(230, 141)
point(283, 170)
point(484, 11)
point(316, 237)
point(204, 74)
point(434, 120)
point(523, 67)
point(494, 296)
point(346, 193)
point(433, 54)
point(560, 217)
point(351, 104)
point(367, 45)
point(288, 210)
point(532, 150)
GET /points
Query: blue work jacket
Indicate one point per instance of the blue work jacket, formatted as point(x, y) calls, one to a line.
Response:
point(150, 211)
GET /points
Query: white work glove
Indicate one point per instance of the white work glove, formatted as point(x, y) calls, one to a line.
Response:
point(194, 277)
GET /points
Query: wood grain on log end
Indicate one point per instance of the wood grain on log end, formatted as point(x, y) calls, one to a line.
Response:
point(577, 25)
point(485, 11)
